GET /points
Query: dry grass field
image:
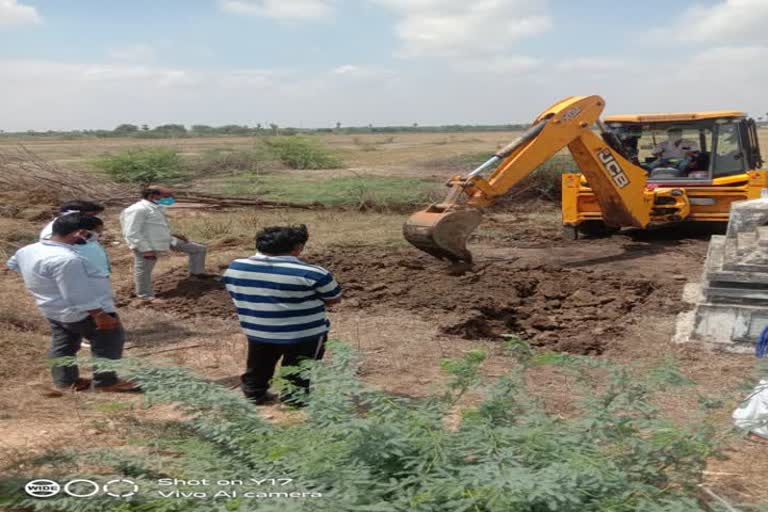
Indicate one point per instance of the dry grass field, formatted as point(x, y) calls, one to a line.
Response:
point(404, 312)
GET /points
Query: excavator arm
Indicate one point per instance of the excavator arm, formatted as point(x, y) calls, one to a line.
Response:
point(619, 185)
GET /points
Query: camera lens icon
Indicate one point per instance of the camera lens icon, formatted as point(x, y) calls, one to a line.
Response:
point(82, 488)
point(42, 488)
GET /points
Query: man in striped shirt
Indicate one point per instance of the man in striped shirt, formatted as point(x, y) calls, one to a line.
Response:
point(281, 302)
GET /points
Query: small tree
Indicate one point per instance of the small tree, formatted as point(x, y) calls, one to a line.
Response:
point(171, 130)
point(125, 129)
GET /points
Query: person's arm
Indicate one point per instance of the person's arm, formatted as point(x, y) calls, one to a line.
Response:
point(133, 231)
point(691, 147)
point(329, 290)
point(72, 281)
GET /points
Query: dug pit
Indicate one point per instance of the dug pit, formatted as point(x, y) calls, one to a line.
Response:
point(572, 310)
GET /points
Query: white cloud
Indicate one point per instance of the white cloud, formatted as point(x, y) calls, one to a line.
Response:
point(91, 95)
point(132, 53)
point(444, 28)
point(729, 21)
point(347, 69)
point(593, 65)
point(508, 65)
point(280, 9)
point(13, 13)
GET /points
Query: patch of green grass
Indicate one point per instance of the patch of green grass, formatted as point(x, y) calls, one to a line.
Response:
point(350, 191)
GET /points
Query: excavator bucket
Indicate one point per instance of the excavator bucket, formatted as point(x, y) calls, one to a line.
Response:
point(443, 233)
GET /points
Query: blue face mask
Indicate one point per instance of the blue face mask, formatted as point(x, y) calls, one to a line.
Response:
point(166, 201)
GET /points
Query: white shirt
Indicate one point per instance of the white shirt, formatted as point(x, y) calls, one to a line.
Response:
point(677, 149)
point(65, 285)
point(145, 227)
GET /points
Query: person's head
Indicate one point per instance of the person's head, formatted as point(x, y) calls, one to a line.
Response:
point(84, 207)
point(282, 240)
point(98, 230)
point(674, 134)
point(75, 228)
point(159, 195)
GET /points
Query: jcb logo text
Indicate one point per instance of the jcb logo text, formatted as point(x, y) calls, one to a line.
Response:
point(613, 168)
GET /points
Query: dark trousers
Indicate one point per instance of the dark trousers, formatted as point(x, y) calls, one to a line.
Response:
point(65, 342)
point(263, 358)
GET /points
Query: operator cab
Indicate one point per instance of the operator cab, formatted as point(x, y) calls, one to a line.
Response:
point(689, 149)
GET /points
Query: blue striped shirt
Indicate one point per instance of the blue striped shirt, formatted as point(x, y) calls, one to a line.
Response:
point(280, 299)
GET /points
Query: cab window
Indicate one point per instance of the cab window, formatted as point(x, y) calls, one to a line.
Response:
point(728, 157)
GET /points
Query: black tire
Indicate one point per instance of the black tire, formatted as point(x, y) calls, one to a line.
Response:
point(596, 228)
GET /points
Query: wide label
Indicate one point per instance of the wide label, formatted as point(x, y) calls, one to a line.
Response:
point(613, 168)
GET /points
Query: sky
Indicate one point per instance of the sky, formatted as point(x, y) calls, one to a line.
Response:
point(94, 64)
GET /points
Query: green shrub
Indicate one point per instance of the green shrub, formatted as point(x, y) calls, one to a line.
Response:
point(366, 450)
point(303, 153)
point(219, 160)
point(143, 165)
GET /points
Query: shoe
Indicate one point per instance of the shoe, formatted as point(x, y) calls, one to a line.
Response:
point(80, 385)
point(121, 386)
point(148, 301)
point(265, 399)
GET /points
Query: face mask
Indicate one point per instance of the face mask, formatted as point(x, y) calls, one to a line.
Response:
point(82, 239)
point(166, 201)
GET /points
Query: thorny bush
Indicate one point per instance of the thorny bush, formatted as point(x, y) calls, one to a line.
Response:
point(366, 450)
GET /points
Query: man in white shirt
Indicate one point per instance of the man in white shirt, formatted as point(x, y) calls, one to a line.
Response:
point(147, 231)
point(77, 301)
point(675, 151)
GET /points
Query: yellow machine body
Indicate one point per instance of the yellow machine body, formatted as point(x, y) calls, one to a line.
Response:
point(706, 198)
point(611, 189)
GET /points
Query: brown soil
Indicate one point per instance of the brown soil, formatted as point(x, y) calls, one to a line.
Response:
point(578, 311)
point(187, 297)
point(573, 310)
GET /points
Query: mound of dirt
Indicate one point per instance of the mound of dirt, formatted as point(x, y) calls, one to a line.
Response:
point(572, 310)
point(578, 311)
point(187, 297)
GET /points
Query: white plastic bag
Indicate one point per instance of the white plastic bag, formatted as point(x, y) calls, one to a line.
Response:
point(752, 415)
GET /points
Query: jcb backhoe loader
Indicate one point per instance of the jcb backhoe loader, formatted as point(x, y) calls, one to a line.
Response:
point(625, 180)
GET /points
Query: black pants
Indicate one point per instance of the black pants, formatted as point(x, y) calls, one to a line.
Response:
point(65, 342)
point(263, 358)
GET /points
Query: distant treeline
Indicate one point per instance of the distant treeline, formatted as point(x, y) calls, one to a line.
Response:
point(200, 130)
